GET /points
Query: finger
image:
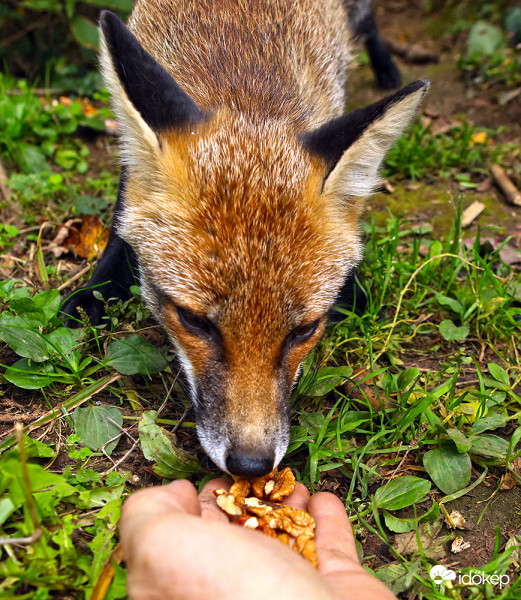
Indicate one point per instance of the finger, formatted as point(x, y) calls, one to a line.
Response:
point(299, 498)
point(333, 536)
point(151, 504)
point(209, 508)
point(178, 495)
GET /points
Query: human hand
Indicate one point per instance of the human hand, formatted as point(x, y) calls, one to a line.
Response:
point(180, 545)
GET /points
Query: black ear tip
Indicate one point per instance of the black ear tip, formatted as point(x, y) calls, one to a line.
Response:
point(417, 85)
point(109, 22)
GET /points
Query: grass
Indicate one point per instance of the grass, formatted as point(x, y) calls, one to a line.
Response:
point(402, 411)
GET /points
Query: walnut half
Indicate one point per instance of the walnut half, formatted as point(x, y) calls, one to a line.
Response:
point(264, 512)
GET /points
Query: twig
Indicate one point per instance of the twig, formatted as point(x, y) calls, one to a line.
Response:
point(512, 194)
point(122, 459)
point(471, 213)
point(74, 278)
point(107, 574)
point(39, 92)
point(77, 400)
point(14, 418)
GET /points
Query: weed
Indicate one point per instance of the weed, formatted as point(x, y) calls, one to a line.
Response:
point(35, 130)
point(419, 154)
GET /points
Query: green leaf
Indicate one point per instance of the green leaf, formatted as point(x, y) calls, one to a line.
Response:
point(25, 342)
point(89, 205)
point(484, 39)
point(406, 377)
point(449, 469)
point(30, 315)
point(34, 160)
point(134, 355)
point(490, 421)
point(450, 332)
point(63, 340)
point(99, 496)
point(402, 492)
point(29, 376)
point(96, 425)
point(49, 302)
point(490, 445)
point(463, 444)
point(451, 303)
point(171, 462)
point(498, 373)
point(398, 525)
point(85, 32)
point(328, 378)
point(7, 508)
point(37, 449)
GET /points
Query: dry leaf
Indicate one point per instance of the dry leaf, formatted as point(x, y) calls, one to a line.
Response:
point(458, 545)
point(87, 237)
point(456, 519)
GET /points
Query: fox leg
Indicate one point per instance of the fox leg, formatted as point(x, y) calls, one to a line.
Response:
point(363, 24)
point(115, 272)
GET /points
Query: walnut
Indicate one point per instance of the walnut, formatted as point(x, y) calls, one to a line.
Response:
point(305, 546)
point(282, 486)
point(257, 507)
point(241, 488)
point(293, 521)
point(284, 538)
point(259, 484)
point(264, 512)
point(246, 520)
point(228, 503)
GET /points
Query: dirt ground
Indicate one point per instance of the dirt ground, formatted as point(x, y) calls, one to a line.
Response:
point(436, 201)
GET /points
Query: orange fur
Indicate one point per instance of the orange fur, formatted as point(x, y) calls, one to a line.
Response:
point(231, 217)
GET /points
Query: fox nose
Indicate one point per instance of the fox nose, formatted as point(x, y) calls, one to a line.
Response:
point(248, 464)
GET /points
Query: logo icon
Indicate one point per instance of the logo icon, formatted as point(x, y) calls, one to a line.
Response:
point(439, 574)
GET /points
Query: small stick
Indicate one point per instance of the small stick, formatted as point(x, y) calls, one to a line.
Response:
point(512, 194)
point(107, 574)
point(74, 278)
point(471, 213)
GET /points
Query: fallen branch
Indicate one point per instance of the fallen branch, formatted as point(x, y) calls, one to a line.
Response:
point(512, 194)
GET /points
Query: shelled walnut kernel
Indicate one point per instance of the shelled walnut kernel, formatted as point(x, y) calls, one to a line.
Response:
point(264, 512)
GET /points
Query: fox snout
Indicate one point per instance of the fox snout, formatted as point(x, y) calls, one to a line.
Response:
point(243, 418)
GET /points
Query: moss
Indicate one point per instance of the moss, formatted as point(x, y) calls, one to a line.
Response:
point(437, 204)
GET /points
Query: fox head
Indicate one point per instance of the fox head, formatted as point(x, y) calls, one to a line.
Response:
point(245, 230)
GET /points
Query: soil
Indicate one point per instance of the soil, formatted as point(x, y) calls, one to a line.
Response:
point(436, 201)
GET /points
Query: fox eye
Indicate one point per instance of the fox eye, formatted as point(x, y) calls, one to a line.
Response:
point(302, 333)
point(195, 324)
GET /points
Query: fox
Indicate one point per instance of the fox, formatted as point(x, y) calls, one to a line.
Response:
point(242, 188)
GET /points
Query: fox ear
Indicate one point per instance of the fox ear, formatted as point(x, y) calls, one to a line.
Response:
point(146, 98)
point(354, 145)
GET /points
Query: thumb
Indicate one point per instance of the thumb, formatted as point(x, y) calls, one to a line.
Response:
point(336, 551)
